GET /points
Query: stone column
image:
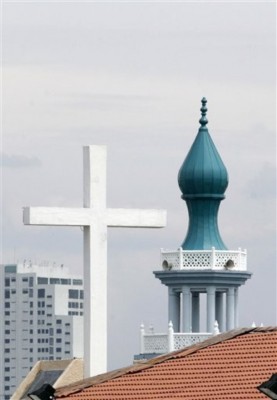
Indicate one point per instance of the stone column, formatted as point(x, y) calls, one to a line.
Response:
point(219, 310)
point(174, 308)
point(195, 308)
point(186, 309)
point(230, 309)
point(210, 308)
point(236, 307)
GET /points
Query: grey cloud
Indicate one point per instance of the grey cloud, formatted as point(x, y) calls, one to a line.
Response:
point(19, 161)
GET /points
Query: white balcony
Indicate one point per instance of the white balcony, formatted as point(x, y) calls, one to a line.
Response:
point(161, 343)
point(204, 259)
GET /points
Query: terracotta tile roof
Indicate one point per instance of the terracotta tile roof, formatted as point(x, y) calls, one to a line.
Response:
point(227, 366)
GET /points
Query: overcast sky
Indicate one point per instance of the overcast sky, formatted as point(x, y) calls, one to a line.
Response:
point(131, 75)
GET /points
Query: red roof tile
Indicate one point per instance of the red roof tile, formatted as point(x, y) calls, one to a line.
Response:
point(228, 366)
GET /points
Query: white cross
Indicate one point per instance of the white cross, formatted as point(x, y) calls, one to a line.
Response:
point(95, 218)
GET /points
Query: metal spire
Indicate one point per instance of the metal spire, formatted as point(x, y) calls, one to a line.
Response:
point(203, 120)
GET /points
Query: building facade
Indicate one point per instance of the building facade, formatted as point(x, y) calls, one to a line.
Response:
point(41, 312)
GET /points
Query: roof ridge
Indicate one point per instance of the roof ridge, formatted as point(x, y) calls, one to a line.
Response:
point(96, 380)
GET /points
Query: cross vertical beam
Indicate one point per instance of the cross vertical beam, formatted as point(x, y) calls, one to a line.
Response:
point(95, 262)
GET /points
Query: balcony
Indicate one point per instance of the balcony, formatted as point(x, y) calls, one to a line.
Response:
point(204, 259)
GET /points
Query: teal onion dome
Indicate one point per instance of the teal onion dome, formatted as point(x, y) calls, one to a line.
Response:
point(203, 179)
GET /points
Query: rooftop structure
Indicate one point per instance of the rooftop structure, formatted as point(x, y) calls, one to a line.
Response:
point(56, 373)
point(202, 267)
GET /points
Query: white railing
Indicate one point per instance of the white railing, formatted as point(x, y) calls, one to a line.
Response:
point(160, 343)
point(204, 259)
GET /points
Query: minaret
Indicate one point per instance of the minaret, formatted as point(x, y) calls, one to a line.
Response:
point(203, 264)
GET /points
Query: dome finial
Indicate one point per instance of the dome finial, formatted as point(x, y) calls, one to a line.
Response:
point(203, 120)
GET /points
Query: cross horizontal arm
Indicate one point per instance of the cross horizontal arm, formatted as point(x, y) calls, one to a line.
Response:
point(56, 216)
point(135, 218)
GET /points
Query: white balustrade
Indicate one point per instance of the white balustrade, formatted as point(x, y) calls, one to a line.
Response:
point(160, 343)
point(156, 343)
point(182, 340)
point(235, 260)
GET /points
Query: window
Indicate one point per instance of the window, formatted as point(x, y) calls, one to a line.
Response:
point(7, 281)
point(7, 369)
point(7, 340)
point(7, 294)
point(25, 291)
point(77, 282)
point(41, 293)
point(7, 304)
point(73, 294)
point(58, 340)
point(73, 304)
point(25, 279)
point(7, 332)
point(59, 321)
point(81, 294)
point(7, 313)
point(58, 349)
point(10, 268)
point(42, 281)
point(7, 360)
point(7, 378)
point(31, 281)
point(66, 281)
point(58, 331)
point(54, 281)
point(31, 293)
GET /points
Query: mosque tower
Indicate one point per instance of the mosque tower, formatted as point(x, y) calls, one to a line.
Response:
point(202, 266)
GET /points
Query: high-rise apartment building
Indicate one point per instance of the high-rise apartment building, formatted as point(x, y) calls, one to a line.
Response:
point(41, 309)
